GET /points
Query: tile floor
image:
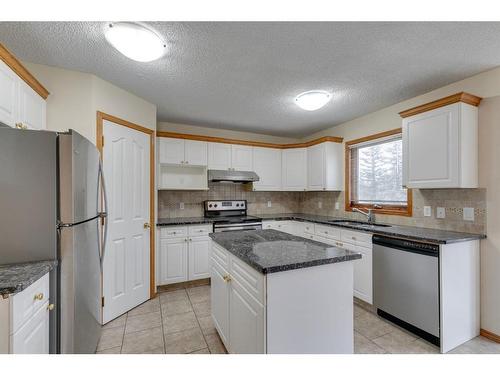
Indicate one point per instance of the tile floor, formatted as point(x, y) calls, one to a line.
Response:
point(180, 322)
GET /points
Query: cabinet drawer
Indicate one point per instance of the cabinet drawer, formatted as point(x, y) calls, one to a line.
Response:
point(26, 303)
point(358, 238)
point(220, 256)
point(327, 231)
point(308, 228)
point(199, 230)
point(173, 232)
point(251, 280)
point(267, 225)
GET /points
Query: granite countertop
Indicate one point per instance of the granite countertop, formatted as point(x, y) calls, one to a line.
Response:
point(183, 221)
point(270, 250)
point(14, 278)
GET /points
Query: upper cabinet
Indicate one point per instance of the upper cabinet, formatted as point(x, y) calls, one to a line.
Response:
point(22, 97)
point(324, 167)
point(440, 143)
point(294, 169)
point(267, 165)
point(224, 156)
point(182, 152)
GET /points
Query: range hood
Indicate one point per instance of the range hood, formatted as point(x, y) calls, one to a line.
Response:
point(243, 177)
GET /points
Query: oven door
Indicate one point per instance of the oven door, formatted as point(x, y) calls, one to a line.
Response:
point(237, 226)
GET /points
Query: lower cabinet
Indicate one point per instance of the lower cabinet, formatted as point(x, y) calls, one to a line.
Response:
point(183, 253)
point(33, 337)
point(363, 275)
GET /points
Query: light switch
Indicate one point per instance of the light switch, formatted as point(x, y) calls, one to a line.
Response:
point(269, 204)
point(320, 204)
point(469, 213)
point(440, 212)
point(181, 205)
point(337, 205)
point(427, 210)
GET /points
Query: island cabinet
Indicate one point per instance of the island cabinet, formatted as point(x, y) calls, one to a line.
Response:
point(24, 323)
point(440, 147)
point(259, 313)
point(183, 253)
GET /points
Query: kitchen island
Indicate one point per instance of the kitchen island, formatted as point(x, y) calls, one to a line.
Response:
point(273, 292)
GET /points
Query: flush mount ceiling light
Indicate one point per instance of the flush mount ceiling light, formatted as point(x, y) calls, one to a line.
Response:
point(135, 41)
point(312, 100)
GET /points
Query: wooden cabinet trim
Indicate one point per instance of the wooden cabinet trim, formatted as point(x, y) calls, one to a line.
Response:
point(207, 138)
point(463, 97)
point(10, 60)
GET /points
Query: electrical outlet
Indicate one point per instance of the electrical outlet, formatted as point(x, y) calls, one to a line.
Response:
point(181, 205)
point(469, 213)
point(427, 211)
point(337, 205)
point(269, 204)
point(440, 212)
point(320, 204)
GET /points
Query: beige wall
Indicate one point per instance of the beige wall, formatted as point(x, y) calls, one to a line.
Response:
point(215, 132)
point(75, 97)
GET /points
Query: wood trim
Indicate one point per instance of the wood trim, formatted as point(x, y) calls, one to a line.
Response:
point(386, 210)
point(207, 138)
point(10, 60)
point(490, 335)
point(463, 97)
point(101, 116)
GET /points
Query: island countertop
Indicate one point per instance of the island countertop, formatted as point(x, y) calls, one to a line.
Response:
point(270, 250)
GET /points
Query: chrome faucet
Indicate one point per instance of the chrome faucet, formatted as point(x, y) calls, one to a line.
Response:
point(370, 214)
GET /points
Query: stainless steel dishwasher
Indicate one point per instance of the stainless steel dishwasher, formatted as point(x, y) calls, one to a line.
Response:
point(406, 284)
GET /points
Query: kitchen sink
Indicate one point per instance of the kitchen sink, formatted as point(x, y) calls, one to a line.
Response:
point(358, 223)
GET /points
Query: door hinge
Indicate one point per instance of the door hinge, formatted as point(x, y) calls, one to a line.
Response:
point(102, 301)
point(102, 141)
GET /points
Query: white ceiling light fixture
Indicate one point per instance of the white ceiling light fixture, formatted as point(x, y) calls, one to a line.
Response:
point(135, 41)
point(313, 100)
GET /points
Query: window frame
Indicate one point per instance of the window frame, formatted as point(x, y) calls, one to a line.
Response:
point(386, 209)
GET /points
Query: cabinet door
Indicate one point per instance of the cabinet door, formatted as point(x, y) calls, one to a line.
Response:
point(267, 165)
point(316, 167)
point(32, 108)
point(173, 260)
point(294, 169)
point(246, 323)
point(431, 148)
point(219, 156)
point(171, 150)
point(219, 294)
point(195, 152)
point(241, 158)
point(33, 337)
point(199, 258)
point(9, 98)
point(363, 288)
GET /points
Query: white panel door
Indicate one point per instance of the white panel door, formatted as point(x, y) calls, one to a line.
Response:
point(171, 150)
point(126, 161)
point(431, 148)
point(8, 95)
point(241, 158)
point(219, 156)
point(173, 260)
point(267, 165)
point(294, 169)
point(32, 108)
point(316, 167)
point(199, 257)
point(363, 288)
point(195, 152)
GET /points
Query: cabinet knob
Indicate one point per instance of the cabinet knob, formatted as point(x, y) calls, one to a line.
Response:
point(20, 125)
point(186, 162)
point(147, 226)
point(227, 278)
point(39, 296)
point(190, 239)
point(50, 307)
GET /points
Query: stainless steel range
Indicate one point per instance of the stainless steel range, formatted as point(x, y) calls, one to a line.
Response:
point(231, 215)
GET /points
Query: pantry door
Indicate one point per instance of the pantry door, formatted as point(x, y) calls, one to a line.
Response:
point(127, 163)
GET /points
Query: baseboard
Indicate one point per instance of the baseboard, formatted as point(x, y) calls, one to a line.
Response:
point(490, 335)
point(182, 285)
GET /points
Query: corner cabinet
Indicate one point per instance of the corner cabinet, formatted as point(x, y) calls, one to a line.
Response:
point(294, 169)
point(267, 165)
point(440, 147)
point(324, 167)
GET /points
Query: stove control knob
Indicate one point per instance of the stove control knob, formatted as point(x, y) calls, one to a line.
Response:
point(210, 205)
point(215, 205)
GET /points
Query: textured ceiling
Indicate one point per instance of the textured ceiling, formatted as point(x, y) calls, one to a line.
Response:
point(244, 76)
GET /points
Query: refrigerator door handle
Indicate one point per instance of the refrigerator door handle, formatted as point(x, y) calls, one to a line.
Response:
point(104, 213)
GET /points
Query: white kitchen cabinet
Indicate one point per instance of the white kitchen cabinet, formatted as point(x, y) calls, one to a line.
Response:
point(440, 148)
point(182, 152)
point(287, 226)
point(241, 158)
point(324, 167)
point(267, 165)
point(20, 105)
point(184, 253)
point(363, 278)
point(294, 169)
point(219, 296)
point(33, 337)
point(219, 156)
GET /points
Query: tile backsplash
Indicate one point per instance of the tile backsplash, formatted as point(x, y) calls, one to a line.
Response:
point(452, 200)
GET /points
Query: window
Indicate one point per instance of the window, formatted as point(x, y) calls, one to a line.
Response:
point(374, 174)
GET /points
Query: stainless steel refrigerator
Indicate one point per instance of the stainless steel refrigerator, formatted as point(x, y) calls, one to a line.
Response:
point(52, 206)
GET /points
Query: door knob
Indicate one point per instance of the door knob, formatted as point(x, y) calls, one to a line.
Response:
point(147, 226)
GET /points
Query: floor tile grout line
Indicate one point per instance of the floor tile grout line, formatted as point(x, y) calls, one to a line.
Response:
point(162, 328)
point(199, 325)
point(124, 330)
